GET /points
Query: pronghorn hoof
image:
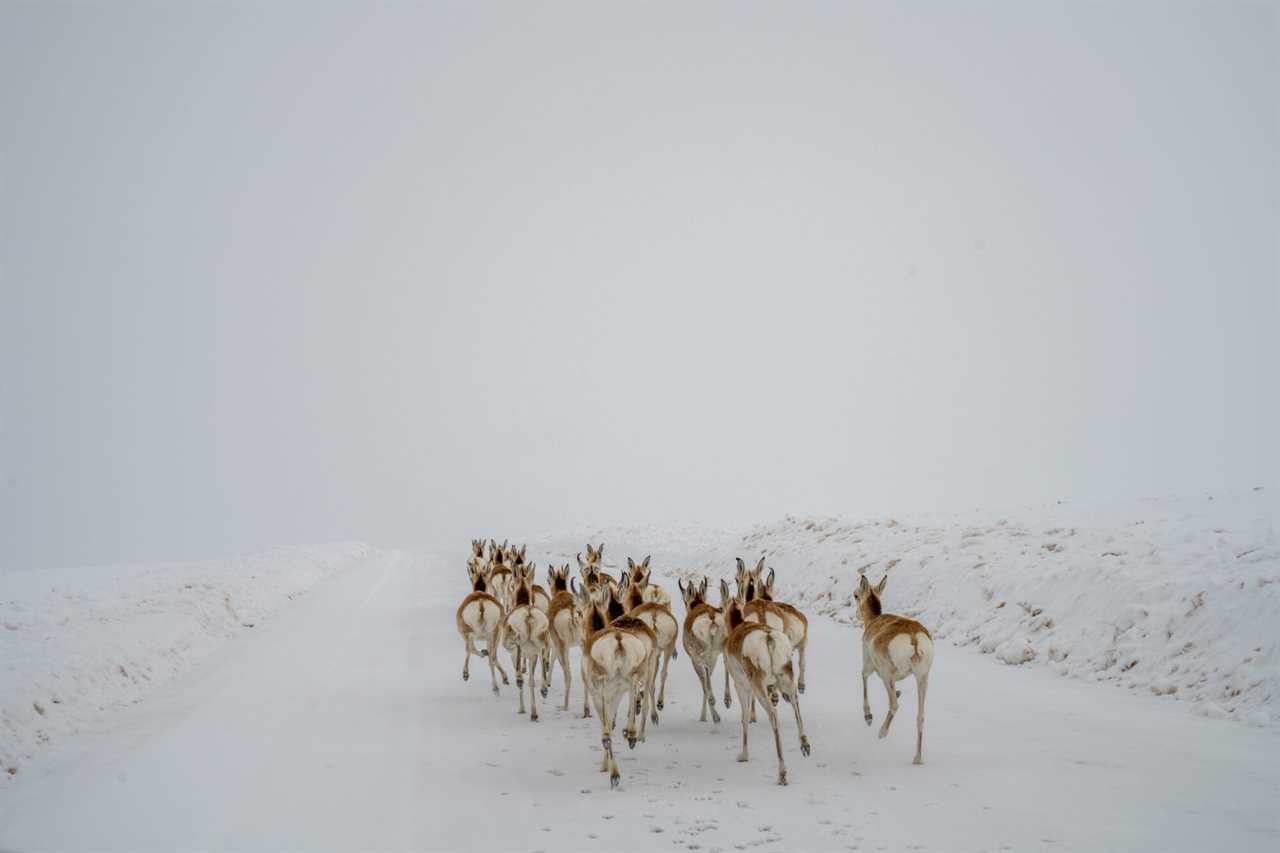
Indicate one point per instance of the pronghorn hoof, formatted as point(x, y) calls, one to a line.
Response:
point(484, 653)
point(631, 741)
point(653, 718)
point(534, 718)
point(504, 680)
point(782, 778)
point(466, 676)
point(804, 747)
point(868, 718)
point(614, 780)
point(917, 760)
point(522, 711)
point(898, 693)
point(715, 718)
point(607, 743)
point(800, 687)
point(495, 691)
point(544, 693)
point(727, 702)
point(742, 758)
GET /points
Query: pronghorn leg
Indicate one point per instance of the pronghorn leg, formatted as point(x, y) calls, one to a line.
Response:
point(866, 703)
point(586, 691)
point(803, 644)
point(633, 705)
point(727, 701)
point(466, 662)
point(662, 693)
point(711, 693)
point(702, 682)
point(533, 688)
point(893, 705)
point(612, 763)
point(751, 703)
point(493, 662)
point(520, 662)
point(651, 694)
point(768, 701)
point(562, 652)
point(795, 706)
point(922, 687)
point(744, 705)
point(606, 738)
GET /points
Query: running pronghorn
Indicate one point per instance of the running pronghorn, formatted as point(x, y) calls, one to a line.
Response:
point(758, 658)
point(524, 634)
point(660, 619)
point(480, 617)
point(617, 656)
point(703, 640)
point(565, 627)
point(477, 554)
point(592, 570)
point(760, 604)
point(641, 577)
point(894, 647)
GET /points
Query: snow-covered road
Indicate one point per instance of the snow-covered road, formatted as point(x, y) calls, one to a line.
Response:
point(343, 724)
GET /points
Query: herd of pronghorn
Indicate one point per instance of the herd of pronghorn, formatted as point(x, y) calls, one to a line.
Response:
point(626, 632)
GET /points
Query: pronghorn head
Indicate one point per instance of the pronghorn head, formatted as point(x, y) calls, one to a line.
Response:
point(590, 608)
point(477, 549)
point(731, 606)
point(638, 579)
point(764, 589)
point(614, 601)
point(478, 576)
point(868, 597)
point(524, 584)
point(594, 555)
point(558, 579)
point(746, 580)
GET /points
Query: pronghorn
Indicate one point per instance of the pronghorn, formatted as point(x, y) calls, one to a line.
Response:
point(704, 637)
point(524, 634)
point(759, 659)
point(480, 616)
point(641, 577)
point(663, 623)
point(477, 554)
point(501, 582)
point(894, 647)
point(592, 571)
point(760, 604)
point(617, 656)
point(565, 619)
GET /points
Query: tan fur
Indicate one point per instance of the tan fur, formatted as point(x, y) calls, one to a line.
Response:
point(778, 614)
point(479, 617)
point(894, 648)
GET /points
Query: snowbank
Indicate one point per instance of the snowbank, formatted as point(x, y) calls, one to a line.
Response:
point(78, 644)
point(1176, 597)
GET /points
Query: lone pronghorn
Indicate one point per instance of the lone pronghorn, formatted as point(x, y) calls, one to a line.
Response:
point(480, 617)
point(761, 606)
point(704, 637)
point(524, 633)
point(759, 660)
point(660, 619)
point(895, 648)
point(617, 656)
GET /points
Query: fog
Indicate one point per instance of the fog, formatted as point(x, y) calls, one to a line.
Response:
point(409, 274)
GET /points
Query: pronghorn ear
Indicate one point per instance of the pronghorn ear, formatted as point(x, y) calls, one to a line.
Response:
point(724, 591)
point(759, 566)
point(880, 586)
point(645, 564)
point(581, 564)
point(624, 581)
point(600, 550)
point(631, 564)
point(768, 583)
point(863, 585)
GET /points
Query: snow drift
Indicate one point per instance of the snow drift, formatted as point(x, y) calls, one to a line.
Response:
point(1176, 597)
point(77, 645)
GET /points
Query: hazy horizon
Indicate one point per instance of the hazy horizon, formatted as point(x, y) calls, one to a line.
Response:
point(409, 274)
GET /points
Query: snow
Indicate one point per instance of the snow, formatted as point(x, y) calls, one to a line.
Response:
point(1179, 598)
point(342, 722)
point(78, 645)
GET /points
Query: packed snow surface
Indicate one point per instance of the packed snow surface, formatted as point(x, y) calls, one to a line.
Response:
point(341, 721)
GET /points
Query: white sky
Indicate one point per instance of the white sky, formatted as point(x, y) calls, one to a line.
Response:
point(425, 272)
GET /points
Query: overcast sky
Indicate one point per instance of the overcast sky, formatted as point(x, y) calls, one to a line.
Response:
point(416, 273)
